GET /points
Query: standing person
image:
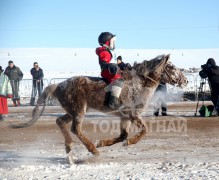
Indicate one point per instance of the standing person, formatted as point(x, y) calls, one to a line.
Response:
point(159, 100)
point(211, 71)
point(15, 75)
point(123, 65)
point(37, 74)
point(5, 92)
point(109, 71)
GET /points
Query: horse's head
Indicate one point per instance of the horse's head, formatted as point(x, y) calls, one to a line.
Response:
point(155, 65)
point(172, 75)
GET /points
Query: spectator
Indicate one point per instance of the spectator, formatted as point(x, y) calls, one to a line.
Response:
point(15, 75)
point(159, 100)
point(211, 71)
point(5, 91)
point(37, 74)
point(123, 65)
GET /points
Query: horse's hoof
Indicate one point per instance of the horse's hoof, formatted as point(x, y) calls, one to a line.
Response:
point(68, 148)
point(99, 144)
point(125, 143)
point(71, 158)
point(96, 153)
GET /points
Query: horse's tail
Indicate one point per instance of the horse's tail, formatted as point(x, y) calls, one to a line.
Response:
point(48, 92)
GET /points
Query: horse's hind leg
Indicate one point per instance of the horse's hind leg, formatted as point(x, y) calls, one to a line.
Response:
point(77, 130)
point(139, 122)
point(125, 126)
point(61, 122)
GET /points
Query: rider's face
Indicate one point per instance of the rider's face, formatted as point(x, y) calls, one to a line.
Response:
point(112, 42)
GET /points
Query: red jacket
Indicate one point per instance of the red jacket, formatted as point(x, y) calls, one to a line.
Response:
point(105, 57)
point(104, 54)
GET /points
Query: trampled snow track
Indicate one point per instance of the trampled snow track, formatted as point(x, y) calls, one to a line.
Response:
point(38, 152)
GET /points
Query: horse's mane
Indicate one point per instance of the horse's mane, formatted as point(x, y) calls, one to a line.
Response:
point(146, 66)
point(141, 69)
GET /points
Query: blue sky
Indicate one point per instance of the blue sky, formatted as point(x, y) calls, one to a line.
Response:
point(139, 24)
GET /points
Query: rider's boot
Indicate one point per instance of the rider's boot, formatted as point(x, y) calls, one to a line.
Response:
point(116, 89)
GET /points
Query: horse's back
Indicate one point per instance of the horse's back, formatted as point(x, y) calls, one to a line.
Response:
point(75, 91)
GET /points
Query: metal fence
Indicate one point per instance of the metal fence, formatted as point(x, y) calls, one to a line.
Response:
point(26, 86)
point(57, 80)
point(194, 81)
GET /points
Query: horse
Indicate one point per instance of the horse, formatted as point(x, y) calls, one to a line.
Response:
point(77, 94)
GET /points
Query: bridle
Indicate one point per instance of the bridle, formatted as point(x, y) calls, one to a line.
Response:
point(151, 79)
point(173, 80)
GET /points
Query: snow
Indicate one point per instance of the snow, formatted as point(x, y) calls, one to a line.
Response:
point(85, 60)
point(172, 170)
point(38, 152)
point(140, 161)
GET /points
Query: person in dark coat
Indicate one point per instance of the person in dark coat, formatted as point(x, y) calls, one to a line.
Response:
point(123, 65)
point(211, 71)
point(15, 75)
point(159, 99)
point(37, 74)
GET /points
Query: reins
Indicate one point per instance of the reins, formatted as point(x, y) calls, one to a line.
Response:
point(151, 79)
point(173, 80)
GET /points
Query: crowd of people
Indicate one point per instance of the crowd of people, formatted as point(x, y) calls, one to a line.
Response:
point(9, 85)
point(10, 79)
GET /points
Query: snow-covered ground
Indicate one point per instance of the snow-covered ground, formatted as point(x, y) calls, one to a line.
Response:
point(38, 152)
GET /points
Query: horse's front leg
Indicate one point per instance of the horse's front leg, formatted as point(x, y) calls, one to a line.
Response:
point(137, 120)
point(125, 126)
point(77, 130)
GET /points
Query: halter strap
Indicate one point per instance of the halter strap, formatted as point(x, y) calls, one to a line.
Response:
point(151, 79)
point(177, 82)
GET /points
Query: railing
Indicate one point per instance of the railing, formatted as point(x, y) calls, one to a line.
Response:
point(57, 80)
point(25, 87)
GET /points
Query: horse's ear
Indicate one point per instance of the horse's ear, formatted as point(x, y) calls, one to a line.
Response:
point(167, 57)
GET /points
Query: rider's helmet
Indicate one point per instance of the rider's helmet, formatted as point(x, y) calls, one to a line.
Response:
point(107, 39)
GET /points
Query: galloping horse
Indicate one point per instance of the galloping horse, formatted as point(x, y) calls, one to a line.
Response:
point(77, 94)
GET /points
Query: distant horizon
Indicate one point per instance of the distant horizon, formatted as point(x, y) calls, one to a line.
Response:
point(85, 59)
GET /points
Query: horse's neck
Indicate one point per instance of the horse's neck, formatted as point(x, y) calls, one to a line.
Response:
point(149, 84)
point(152, 80)
point(165, 79)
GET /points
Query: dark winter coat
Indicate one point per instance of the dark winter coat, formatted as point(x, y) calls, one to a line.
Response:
point(212, 71)
point(162, 87)
point(14, 73)
point(37, 75)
